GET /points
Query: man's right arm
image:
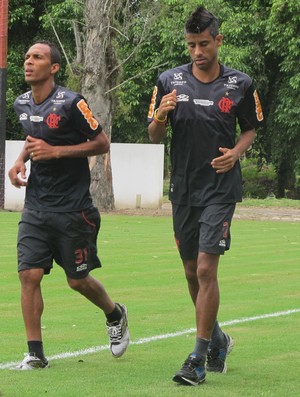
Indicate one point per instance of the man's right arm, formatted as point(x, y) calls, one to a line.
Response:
point(157, 128)
point(157, 132)
point(19, 168)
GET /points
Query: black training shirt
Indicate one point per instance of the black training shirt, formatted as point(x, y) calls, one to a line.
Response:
point(58, 185)
point(203, 120)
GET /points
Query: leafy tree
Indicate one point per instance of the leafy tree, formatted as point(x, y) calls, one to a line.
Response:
point(33, 17)
point(22, 17)
point(98, 77)
point(283, 50)
point(134, 45)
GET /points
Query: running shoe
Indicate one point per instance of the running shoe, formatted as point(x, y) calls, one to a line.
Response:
point(118, 333)
point(216, 357)
point(192, 372)
point(32, 362)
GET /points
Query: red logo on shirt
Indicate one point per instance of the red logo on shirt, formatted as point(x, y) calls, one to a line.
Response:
point(225, 105)
point(52, 120)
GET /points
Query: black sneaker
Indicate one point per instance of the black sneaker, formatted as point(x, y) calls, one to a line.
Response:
point(216, 357)
point(192, 372)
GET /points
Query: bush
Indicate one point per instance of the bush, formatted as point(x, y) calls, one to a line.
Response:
point(258, 181)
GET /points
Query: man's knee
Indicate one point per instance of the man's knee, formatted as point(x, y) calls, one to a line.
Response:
point(79, 285)
point(190, 269)
point(207, 266)
point(31, 276)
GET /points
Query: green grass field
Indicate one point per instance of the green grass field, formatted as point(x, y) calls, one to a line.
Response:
point(141, 268)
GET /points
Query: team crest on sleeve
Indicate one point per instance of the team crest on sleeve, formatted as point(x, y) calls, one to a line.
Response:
point(86, 112)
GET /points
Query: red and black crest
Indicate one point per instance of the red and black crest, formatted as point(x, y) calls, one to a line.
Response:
point(225, 105)
point(52, 120)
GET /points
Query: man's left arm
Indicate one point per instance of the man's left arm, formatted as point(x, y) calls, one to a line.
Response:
point(226, 161)
point(250, 116)
point(84, 122)
point(38, 149)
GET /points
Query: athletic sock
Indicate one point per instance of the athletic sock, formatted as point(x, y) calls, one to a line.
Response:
point(35, 348)
point(201, 347)
point(217, 337)
point(115, 315)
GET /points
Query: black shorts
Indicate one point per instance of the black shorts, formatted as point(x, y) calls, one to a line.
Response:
point(202, 229)
point(68, 238)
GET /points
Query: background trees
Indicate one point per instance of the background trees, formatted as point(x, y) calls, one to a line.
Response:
point(283, 122)
point(115, 50)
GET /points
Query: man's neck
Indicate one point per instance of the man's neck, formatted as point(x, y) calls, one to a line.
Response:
point(206, 76)
point(41, 92)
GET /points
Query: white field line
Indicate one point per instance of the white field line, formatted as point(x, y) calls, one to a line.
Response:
point(142, 341)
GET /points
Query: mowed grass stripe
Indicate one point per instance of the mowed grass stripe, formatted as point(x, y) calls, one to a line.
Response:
point(141, 268)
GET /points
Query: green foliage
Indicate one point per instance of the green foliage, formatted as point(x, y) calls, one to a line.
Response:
point(261, 38)
point(283, 50)
point(32, 17)
point(259, 180)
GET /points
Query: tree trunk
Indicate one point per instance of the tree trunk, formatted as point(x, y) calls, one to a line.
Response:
point(286, 181)
point(99, 59)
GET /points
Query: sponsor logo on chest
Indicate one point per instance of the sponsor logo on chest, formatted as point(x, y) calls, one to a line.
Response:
point(203, 102)
point(60, 98)
point(183, 98)
point(178, 79)
point(23, 117)
point(36, 119)
point(232, 83)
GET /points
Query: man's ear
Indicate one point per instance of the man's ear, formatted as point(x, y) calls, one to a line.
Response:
point(55, 68)
point(219, 39)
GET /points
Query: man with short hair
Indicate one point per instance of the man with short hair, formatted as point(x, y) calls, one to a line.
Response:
point(59, 221)
point(202, 101)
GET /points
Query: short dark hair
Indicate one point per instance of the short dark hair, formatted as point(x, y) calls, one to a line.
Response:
point(200, 20)
point(55, 56)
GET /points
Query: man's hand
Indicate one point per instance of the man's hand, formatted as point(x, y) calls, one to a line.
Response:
point(38, 149)
point(225, 162)
point(13, 173)
point(167, 104)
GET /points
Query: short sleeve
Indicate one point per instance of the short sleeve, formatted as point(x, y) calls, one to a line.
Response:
point(249, 113)
point(83, 119)
point(158, 93)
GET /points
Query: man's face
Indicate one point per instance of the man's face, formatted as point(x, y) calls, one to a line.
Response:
point(203, 49)
point(37, 64)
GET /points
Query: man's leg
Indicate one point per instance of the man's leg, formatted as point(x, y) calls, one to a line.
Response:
point(201, 275)
point(190, 268)
point(32, 302)
point(116, 314)
point(221, 344)
point(94, 291)
point(207, 302)
point(32, 309)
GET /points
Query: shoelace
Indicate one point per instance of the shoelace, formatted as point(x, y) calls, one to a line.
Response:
point(191, 364)
point(32, 361)
point(114, 332)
